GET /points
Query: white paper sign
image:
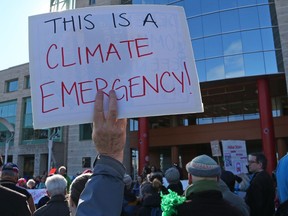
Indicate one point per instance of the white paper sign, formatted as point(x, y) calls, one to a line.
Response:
point(215, 148)
point(143, 52)
point(235, 156)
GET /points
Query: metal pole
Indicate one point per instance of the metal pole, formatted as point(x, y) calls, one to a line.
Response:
point(50, 145)
point(6, 151)
point(54, 134)
point(7, 146)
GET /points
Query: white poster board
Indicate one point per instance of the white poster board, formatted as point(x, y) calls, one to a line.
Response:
point(235, 156)
point(215, 148)
point(143, 52)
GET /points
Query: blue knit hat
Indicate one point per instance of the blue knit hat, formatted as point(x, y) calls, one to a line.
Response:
point(172, 175)
point(203, 166)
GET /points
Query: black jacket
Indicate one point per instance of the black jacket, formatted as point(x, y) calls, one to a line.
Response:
point(282, 210)
point(208, 203)
point(149, 202)
point(260, 195)
point(56, 206)
point(13, 203)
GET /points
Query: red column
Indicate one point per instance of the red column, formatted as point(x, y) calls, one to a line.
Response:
point(143, 145)
point(266, 121)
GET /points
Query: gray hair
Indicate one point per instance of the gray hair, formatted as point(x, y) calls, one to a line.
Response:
point(31, 182)
point(8, 173)
point(56, 184)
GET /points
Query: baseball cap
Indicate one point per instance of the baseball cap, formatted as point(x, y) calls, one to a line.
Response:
point(10, 166)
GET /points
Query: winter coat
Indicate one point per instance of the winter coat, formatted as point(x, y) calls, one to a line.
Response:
point(104, 191)
point(205, 198)
point(13, 203)
point(261, 194)
point(282, 179)
point(234, 199)
point(56, 206)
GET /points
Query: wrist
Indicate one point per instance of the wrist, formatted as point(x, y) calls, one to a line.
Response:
point(102, 159)
point(117, 155)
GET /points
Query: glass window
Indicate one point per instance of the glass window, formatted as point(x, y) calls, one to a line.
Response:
point(12, 85)
point(211, 24)
point(249, 18)
point(156, 1)
point(201, 121)
point(251, 116)
point(180, 3)
point(232, 43)
point(267, 39)
point(85, 131)
point(230, 21)
point(234, 66)
point(198, 49)
point(209, 6)
point(195, 27)
point(133, 123)
point(227, 4)
point(263, 1)
point(251, 41)
point(92, 2)
point(55, 134)
point(28, 133)
point(246, 2)
point(264, 16)
point(28, 123)
point(280, 63)
point(277, 106)
point(276, 35)
point(192, 8)
point(213, 47)
point(232, 118)
point(27, 82)
point(215, 69)
point(8, 112)
point(200, 65)
point(254, 64)
point(270, 62)
point(220, 119)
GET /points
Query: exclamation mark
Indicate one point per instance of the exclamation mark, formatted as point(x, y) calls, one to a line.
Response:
point(187, 73)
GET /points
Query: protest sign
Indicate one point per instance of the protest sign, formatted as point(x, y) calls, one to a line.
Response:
point(37, 194)
point(215, 148)
point(143, 52)
point(235, 156)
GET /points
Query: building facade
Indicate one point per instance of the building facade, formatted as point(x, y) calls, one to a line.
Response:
point(241, 53)
point(239, 49)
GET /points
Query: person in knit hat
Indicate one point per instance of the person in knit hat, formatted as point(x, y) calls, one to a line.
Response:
point(172, 176)
point(203, 196)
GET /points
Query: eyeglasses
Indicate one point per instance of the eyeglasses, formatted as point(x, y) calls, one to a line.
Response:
point(251, 162)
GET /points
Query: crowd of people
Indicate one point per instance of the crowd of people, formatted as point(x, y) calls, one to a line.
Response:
point(108, 190)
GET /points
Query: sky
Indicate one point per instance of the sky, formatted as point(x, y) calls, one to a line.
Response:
point(14, 29)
